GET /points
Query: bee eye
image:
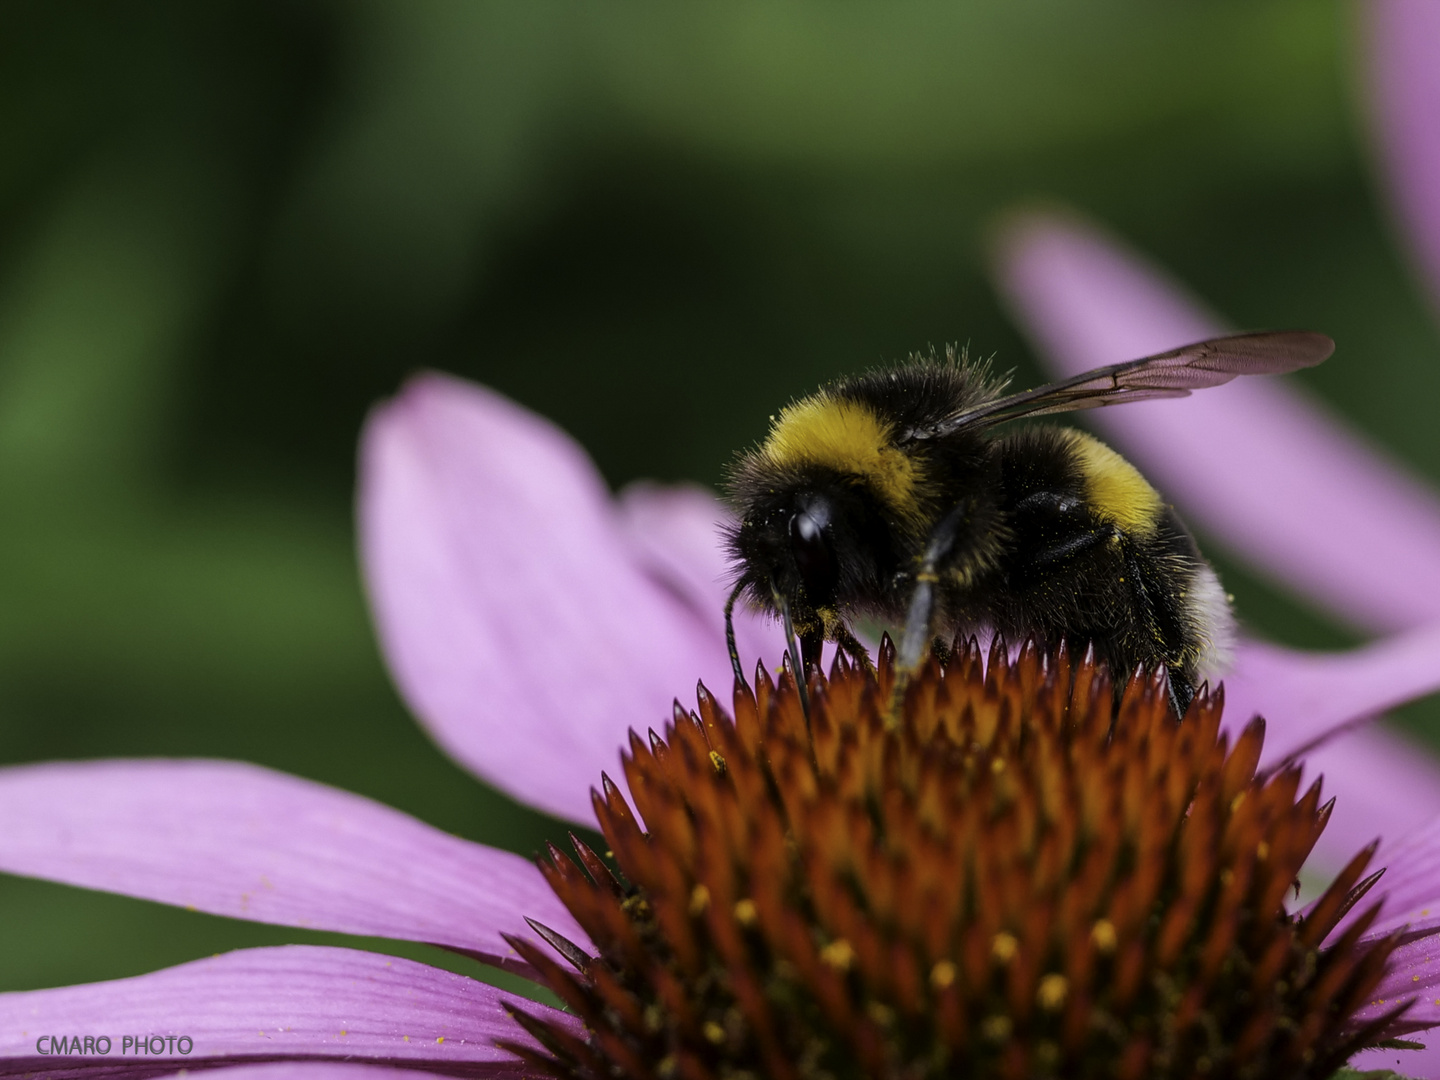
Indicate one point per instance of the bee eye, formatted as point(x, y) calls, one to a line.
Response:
point(814, 557)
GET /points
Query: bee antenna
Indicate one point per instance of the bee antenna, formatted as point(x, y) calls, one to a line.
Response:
point(730, 636)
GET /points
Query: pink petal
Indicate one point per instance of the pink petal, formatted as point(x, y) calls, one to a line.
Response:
point(523, 622)
point(238, 840)
point(1256, 463)
point(1419, 1064)
point(1413, 972)
point(332, 1070)
point(1384, 784)
point(1413, 968)
point(1411, 885)
point(676, 531)
point(1402, 68)
point(1304, 694)
point(294, 1001)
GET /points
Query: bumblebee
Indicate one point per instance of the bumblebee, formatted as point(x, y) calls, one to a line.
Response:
point(892, 496)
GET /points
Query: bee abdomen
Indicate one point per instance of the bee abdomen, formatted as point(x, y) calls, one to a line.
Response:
point(1097, 557)
point(1114, 489)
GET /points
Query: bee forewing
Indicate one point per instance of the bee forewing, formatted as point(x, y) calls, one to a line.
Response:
point(1209, 363)
point(1169, 374)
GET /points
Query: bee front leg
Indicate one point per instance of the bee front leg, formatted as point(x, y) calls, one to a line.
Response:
point(811, 642)
point(919, 623)
point(920, 617)
point(1182, 692)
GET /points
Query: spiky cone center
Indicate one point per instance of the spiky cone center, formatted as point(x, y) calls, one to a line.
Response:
point(1012, 877)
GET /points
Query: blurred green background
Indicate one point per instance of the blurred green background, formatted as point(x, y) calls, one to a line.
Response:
point(227, 229)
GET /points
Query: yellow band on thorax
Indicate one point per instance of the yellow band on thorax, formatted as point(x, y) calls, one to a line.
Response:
point(849, 437)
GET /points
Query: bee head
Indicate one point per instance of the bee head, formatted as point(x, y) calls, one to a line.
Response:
point(819, 542)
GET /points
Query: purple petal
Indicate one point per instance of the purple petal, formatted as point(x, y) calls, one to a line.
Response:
point(1412, 973)
point(1411, 885)
point(335, 1070)
point(523, 620)
point(1403, 72)
point(1383, 783)
point(238, 840)
point(1256, 462)
point(1304, 694)
point(1420, 1064)
point(1413, 967)
point(294, 1001)
point(676, 532)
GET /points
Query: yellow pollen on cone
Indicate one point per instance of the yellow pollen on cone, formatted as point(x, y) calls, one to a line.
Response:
point(882, 1014)
point(996, 1028)
point(942, 975)
point(1104, 935)
point(1052, 991)
point(838, 954)
point(699, 899)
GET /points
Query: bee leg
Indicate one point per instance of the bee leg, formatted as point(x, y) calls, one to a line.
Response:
point(796, 669)
point(730, 636)
point(856, 651)
point(919, 622)
point(940, 649)
point(920, 618)
point(811, 642)
point(1182, 692)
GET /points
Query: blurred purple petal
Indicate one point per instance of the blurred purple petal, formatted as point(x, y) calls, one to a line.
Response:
point(1385, 784)
point(1402, 70)
point(676, 534)
point(335, 1070)
point(523, 621)
point(238, 840)
point(294, 1001)
point(1255, 463)
point(1304, 694)
point(331, 1070)
point(1420, 1064)
point(1411, 885)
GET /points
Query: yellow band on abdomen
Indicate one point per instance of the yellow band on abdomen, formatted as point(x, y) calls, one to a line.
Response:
point(1115, 488)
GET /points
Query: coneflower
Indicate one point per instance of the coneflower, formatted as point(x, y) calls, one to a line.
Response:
point(1009, 878)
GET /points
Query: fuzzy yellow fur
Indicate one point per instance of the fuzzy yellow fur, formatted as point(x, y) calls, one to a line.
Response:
point(1115, 488)
point(849, 437)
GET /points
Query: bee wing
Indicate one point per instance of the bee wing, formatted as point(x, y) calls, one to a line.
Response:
point(1165, 375)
